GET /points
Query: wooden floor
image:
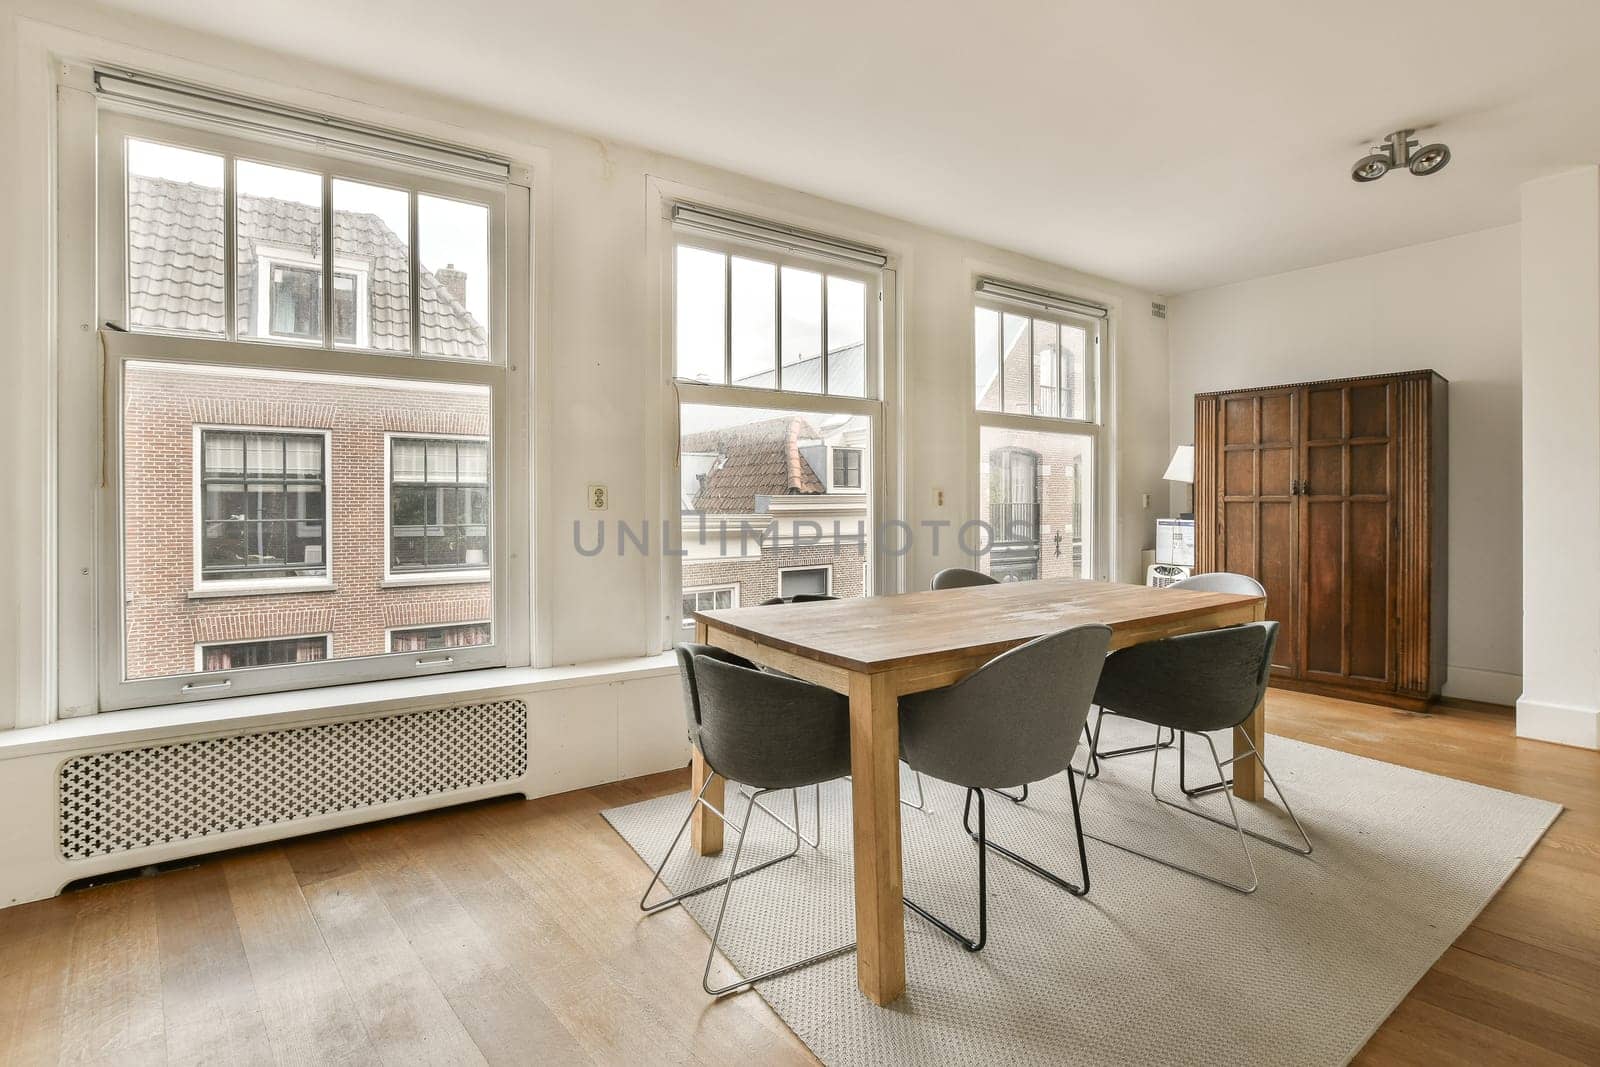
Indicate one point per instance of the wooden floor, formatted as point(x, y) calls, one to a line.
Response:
point(509, 932)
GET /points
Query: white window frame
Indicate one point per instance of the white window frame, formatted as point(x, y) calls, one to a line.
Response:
point(199, 585)
point(878, 405)
point(834, 486)
point(389, 632)
point(391, 579)
point(733, 589)
point(90, 143)
point(200, 648)
point(826, 568)
point(267, 257)
point(1098, 551)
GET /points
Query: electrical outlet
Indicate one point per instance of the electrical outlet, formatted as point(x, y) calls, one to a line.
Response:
point(1146, 497)
point(938, 498)
point(599, 499)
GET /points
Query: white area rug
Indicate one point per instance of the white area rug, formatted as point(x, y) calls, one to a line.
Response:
point(1153, 966)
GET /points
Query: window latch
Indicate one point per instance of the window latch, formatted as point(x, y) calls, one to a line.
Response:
point(435, 661)
point(194, 687)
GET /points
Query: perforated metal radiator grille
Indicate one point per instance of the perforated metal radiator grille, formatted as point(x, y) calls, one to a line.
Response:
point(134, 798)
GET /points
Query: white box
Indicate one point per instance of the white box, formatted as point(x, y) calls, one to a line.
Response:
point(1175, 542)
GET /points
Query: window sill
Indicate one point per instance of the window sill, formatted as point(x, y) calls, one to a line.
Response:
point(404, 581)
point(264, 587)
point(164, 723)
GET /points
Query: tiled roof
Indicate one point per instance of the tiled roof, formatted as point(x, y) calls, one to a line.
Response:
point(805, 375)
point(757, 459)
point(175, 264)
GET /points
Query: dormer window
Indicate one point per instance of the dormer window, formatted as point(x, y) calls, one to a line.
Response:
point(847, 468)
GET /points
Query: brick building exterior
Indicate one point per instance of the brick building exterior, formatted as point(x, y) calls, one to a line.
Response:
point(170, 609)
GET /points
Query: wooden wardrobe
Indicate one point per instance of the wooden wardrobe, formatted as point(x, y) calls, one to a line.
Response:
point(1333, 495)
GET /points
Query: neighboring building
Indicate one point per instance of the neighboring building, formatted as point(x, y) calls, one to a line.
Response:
point(775, 508)
point(278, 518)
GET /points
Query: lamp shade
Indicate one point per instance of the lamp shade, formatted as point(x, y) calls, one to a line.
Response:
point(1181, 469)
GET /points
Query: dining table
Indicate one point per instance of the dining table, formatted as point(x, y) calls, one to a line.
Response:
point(877, 649)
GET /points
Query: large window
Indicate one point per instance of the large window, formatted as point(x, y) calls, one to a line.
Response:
point(777, 357)
point(262, 505)
point(438, 505)
point(310, 389)
point(1036, 364)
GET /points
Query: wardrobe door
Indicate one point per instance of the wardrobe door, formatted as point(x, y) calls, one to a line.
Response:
point(1347, 501)
point(1257, 523)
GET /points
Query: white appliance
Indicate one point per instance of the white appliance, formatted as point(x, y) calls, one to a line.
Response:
point(1175, 542)
point(1161, 575)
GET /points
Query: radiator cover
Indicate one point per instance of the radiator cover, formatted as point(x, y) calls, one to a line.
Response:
point(117, 801)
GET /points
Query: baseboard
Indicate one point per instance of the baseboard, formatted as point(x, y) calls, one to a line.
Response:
point(1562, 724)
point(1483, 686)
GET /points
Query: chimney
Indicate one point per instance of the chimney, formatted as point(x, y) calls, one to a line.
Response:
point(454, 282)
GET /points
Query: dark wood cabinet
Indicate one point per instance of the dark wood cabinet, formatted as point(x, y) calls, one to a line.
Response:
point(1333, 495)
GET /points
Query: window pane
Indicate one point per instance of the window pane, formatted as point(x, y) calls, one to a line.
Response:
point(754, 322)
point(371, 237)
point(175, 240)
point(802, 330)
point(1046, 367)
point(246, 654)
point(753, 482)
point(986, 343)
point(290, 536)
point(429, 638)
point(702, 287)
point(1075, 402)
point(1018, 356)
point(813, 582)
point(472, 459)
point(1036, 495)
point(453, 274)
point(847, 334)
point(279, 238)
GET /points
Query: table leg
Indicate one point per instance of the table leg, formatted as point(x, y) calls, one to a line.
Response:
point(1247, 777)
point(705, 829)
point(875, 774)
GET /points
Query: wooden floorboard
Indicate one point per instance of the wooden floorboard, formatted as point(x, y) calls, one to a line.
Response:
point(509, 932)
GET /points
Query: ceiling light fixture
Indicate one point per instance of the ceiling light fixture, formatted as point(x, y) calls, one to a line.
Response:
point(1398, 150)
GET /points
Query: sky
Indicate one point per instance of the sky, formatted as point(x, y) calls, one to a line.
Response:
point(448, 231)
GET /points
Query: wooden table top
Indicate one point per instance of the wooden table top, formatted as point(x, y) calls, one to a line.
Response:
point(880, 633)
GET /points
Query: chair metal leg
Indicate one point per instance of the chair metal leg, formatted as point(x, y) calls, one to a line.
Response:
point(1200, 790)
point(1130, 750)
point(816, 842)
point(1091, 763)
point(1015, 798)
point(722, 911)
point(699, 800)
point(1048, 875)
point(920, 805)
point(970, 944)
point(1234, 825)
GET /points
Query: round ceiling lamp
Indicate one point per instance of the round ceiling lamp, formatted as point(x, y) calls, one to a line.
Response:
point(1399, 150)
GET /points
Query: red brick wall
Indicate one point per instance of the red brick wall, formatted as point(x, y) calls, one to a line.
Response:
point(757, 577)
point(164, 404)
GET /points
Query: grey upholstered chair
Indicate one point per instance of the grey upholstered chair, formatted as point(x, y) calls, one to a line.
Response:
point(1198, 683)
point(770, 732)
point(961, 578)
point(966, 578)
point(692, 714)
point(1040, 693)
point(1212, 582)
point(918, 804)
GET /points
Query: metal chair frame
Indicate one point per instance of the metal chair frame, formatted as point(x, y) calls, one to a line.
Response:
point(1233, 811)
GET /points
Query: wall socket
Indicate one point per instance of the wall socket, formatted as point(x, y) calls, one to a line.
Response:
point(599, 498)
point(1146, 498)
point(938, 498)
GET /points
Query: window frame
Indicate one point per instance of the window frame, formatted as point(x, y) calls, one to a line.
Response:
point(1099, 546)
point(449, 576)
point(834, 455)
point(877, 404)
point(200, 648)
point(826, 568)
point(390, 631)
point(730, 588)
point(199, 584)
point(90, 663)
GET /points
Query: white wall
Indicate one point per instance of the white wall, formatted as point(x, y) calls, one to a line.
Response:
point(1561, 458)
point(1451, 305)
point(598, 368)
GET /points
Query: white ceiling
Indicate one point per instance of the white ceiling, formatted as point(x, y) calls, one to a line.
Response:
point(1171, 144)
